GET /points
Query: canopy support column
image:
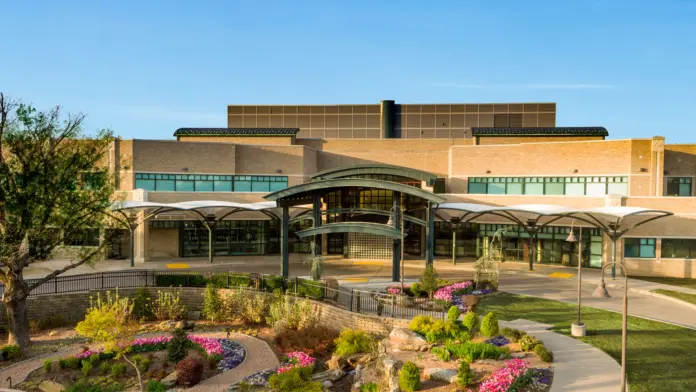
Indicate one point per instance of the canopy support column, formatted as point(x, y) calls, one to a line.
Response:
point(397, 243)
point(284, 246)
point(430, 235)
point(316, 215)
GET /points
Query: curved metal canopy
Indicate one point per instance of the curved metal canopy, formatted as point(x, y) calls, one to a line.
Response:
point(191, 205)
point(393, 170)
point(306, 190)
point(352, 227)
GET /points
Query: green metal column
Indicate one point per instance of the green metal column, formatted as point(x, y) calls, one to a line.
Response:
point(387, 115)
point(316, 214)
point(284, 247)
point(454, 245)
point(396, 248)
point(430, 236)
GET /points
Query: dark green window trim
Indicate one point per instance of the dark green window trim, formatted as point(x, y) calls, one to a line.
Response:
point(209, 183)
point(643, 248)
point(570, 186)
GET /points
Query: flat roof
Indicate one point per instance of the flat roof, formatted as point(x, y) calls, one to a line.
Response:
point(549, 131)
point(236, 131)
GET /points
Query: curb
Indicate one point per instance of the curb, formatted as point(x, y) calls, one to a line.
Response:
point(665, 297)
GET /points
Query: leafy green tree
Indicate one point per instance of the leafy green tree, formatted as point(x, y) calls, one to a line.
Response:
point(54, 183)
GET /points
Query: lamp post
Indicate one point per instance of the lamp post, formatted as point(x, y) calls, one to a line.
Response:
point(210, 224)
point(578, 328)
point(601, 292)
point(391, 222)
point(132, 225)
point(531, 229)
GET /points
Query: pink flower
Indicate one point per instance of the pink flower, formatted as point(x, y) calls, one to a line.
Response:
point(502, 379)
point(296, 359)
point(445, 293)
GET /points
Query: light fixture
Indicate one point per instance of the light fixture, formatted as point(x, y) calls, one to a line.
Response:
point(488, 172)
point(575, 170)
point(643, 170)
point(601, 291)
point(184, 169)
point(531, 222)
point(571, 237)
point(279, 170)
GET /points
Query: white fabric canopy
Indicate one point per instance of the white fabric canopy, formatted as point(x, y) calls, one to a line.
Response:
point(192, 205)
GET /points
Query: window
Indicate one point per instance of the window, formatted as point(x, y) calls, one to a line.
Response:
point(209, 183)
point(678, 186)
point(678, 248)
point(639, 247)
point(440, 186)
point(572, 186)
point(82, 237)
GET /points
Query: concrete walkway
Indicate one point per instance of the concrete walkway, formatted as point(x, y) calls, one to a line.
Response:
point(577, 366)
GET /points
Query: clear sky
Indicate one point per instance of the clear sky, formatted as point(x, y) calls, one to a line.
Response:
point(145, 68)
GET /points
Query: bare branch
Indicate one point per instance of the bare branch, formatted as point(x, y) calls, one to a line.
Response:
point(68, 267)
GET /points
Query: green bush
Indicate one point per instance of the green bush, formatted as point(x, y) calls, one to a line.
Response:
point(471, 351)
point(118, 369)
point(545, 354)
point(61, 363)
point(142, 304)
point(421, 324)
point(428, 280)
point(528, 342)
point(310, 289)
point(105, 368)
point(294, 380)
point(465, 376)
point(47, 366)
point(86, 367)
point(271, 283)
point(212, 303)
point(513, 335)
point(189, 371)
point(463, 336)
point(178, 346)
point(142, 363)
point(441, 353)
point(471, 322)
point(85, 387)
point(453, 314)
point(352, 341)
point(11, 351)
point(155, 386)
point(417, 290)
point(409, 377)
point(489, 325)
point(181, 280)
point(72, 363)
point(369, 387)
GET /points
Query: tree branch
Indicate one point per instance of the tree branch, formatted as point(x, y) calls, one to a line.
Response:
point(55, 273)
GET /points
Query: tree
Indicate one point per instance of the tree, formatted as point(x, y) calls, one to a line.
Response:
point(428, 280)
point(53, 185)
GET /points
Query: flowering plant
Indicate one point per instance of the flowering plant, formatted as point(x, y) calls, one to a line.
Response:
point(88, 353)
point(393, 290)
point(210, 346)
point(482, 292)
point(445, 293)
point(296, 359)
point(498, 341)
point(501, 380)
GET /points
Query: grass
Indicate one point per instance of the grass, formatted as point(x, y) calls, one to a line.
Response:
point(661, 357)
point(681, 282)
point(690, 298)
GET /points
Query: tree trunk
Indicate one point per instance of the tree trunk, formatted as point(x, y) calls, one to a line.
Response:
point(15, 298)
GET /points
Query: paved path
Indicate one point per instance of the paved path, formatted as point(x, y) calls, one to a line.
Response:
point(577, 366)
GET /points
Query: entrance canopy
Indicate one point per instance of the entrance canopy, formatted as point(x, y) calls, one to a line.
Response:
point(372, 169)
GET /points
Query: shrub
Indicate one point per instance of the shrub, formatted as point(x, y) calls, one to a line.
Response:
point(181, 280)
point(369, 387)
point(409, 377)
point(105, 368)
point(417, 289)
point(421, 324)
point(245, 306)
point(453, 314)
point(428, 280)
point(313, 340)
point(72, 363)
point(189, 371)
point(441, 353)
point(489, 325)
point(168, 306)
point(212, 304)
point(513, 335)
point(142, 304)
point(465, 376)
point(177, 347)
point(543, 353)
point(470, 351)
point(118, 369)
point(293, 312)
point(86, 367)
point(352, 341)
point(309, 289)
point(47, 366)
point(463, 336)
point(528, 342)
point(224, 279)
point(471, 322)
point(143, 364)
point(61, 363)
point(294, 380)
point(155, 386)
point(272, 283)
point(11, 351)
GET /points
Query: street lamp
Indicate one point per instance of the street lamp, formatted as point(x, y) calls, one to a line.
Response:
point(455, 225)
point(578, 328)
point(531, 229)
point(132, 225)
point(210, 224)
point(601, 292)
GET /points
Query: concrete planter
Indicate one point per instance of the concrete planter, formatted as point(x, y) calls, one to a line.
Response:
point(578, 330)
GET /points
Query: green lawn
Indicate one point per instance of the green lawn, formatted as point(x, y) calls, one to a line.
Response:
point(682, 282)
point(691, 298)
point(661, 357)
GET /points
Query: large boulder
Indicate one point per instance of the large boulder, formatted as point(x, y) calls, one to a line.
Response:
point(336, 362)
point(50, 386)
point(440, 374)
point(391, 374)
point(331, 375)
point(406, 340)
point(170, 380)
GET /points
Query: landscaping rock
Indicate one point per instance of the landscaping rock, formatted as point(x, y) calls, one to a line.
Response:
point(185, 324)
point(405, 339)
point(166, 325)
point(382, 346)
point(51, 386)
point(193, 315)
point(336, 362)
point(355, 359)
point(391, 374)
point(327, 384)
point(440, 374)
point(170, 380)
point(518, 355)
point(331, 375)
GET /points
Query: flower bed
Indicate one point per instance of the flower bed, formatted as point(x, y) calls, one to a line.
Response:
point(447, 293)
point(296, 359)
point(211, 347)
point(503, 379)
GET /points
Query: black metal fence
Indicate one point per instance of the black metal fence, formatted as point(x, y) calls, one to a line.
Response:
point(328, 291)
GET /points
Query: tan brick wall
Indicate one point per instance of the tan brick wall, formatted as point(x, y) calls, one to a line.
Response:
point(680, 159)
point(488, 140)
point(254, 140)
point(164, 243)
point(269, 159)
point(175, 197)
point(171, 157)
point(125, 169)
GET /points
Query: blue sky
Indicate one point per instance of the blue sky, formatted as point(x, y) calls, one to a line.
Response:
point(145, 68)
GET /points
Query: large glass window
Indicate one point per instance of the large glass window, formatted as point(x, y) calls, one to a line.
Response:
point(678, 248)
point(678, 186)
point(209, 183)
point(572, 186)
point(639, 247)
point(82, 237)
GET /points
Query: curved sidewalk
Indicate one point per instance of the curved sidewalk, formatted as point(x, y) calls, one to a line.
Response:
point(577, 366)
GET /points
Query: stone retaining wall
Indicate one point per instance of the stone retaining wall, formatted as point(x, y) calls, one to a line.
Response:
point(71, 307)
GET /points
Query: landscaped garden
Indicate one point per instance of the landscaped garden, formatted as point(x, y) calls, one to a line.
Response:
point(660, 356)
